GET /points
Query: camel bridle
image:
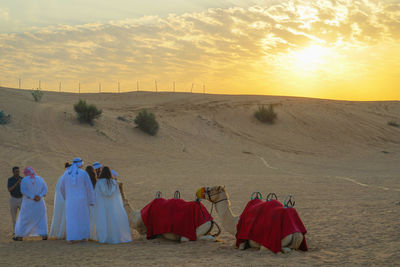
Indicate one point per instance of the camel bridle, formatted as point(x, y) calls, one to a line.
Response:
point(213, 203)
point(207, 191)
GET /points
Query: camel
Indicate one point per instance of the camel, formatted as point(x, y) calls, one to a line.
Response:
point(219, 197)
point(136, 223)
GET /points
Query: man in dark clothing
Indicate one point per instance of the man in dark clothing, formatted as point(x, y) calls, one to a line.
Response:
point(14, 187)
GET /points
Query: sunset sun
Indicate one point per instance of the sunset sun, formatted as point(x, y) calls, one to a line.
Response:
point(310, 58)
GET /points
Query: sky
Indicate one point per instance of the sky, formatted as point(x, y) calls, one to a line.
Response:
point(336, 49)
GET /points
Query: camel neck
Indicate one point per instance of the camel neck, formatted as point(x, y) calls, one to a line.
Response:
point(229, 220)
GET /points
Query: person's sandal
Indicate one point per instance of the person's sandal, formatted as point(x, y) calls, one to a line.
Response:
point(44, 237)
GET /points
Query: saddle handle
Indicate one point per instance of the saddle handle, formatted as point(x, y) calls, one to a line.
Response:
point(271, 196)
point(289, 201)
point(177, 194)
point(256, 195)
point(158, 194)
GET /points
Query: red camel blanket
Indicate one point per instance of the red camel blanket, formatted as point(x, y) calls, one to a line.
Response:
point(174, 216)
point(267, 223)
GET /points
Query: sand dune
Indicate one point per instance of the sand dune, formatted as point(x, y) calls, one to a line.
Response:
point(340, 159)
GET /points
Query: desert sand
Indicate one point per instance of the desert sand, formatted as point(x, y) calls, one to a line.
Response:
point(339, 159)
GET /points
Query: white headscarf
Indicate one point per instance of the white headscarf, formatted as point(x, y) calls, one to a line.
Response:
point(97, 165)
point(73, 170)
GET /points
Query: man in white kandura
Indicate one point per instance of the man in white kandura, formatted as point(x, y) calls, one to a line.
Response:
point(77, 190)
point(32, 219)
point(57, 229)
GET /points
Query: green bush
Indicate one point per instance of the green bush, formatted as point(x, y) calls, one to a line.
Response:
point(146, 121)
point(37, 95)
point(266, 114)
point(4, 119)
point(86, 113)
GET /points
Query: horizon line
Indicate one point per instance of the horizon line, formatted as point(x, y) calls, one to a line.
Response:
point(198, 93)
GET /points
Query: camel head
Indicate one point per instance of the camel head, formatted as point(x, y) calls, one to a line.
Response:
point(213, 194)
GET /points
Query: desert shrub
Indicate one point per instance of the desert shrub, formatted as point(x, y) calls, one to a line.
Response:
point(37, 95)
point(266, 114)
point(146, 121)
point(86, 113)
point(393, 123)
point(4, 119)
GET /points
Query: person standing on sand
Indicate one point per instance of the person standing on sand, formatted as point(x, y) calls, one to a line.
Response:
point(32, 220)
point(57, 229)
point(93, 177)
point(98, 168)
point(14, 187)
point(77, 190)
point(112, 223)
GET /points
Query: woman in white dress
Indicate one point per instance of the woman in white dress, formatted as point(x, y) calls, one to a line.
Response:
point(57, 229)
point(112, 224)
point(93, 178)
point(32, 219)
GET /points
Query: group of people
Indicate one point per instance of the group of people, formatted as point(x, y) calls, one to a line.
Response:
point(87, 205)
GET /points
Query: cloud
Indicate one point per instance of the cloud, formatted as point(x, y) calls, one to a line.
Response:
point(4, 14)
point(233, 45)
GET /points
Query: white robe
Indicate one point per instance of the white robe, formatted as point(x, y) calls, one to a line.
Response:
point(92, 226)
point(32, 219)
point(57, 229)
point(112, 223)
point(78, 193)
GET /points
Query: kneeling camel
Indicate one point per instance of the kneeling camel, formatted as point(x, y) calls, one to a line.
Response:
point(136, 222)
point(219, 197)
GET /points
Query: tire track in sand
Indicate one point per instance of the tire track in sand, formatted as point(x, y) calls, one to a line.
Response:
point(354, 181)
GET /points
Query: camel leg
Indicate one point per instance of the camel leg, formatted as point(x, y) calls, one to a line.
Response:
point(286, 242)
point(207, 238)
point(296, 241)
point(242, 246)
point(202, 230)
point(184, 239)
point(171, 236)
point(254, 244)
